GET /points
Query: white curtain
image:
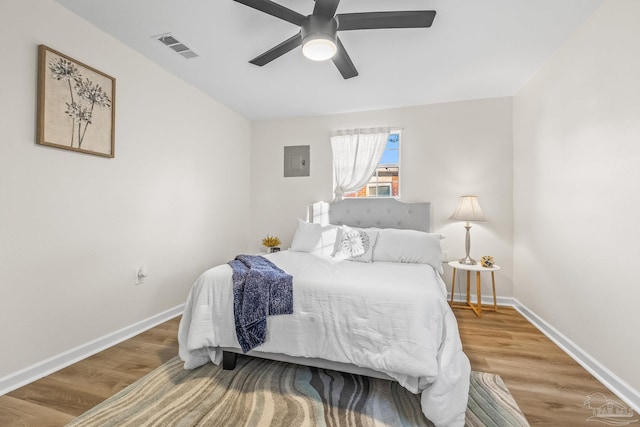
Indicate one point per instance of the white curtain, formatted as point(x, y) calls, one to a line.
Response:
point(356, 154)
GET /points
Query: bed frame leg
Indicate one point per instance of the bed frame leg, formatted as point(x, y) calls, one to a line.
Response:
point(229, 360)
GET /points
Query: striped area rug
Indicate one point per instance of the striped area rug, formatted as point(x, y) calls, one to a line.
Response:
point(268, 393)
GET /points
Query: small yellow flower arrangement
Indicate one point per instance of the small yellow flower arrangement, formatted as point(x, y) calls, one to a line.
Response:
point(271, 241)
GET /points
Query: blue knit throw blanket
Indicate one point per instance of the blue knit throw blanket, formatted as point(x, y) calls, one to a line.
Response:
point(260, 289)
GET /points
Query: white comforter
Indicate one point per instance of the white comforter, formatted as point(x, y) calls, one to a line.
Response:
point(390, 317)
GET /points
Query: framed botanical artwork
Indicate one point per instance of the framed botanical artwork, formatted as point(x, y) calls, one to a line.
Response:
point(76, 105)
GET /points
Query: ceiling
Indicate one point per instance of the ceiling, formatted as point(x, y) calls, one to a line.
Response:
point(474, 49)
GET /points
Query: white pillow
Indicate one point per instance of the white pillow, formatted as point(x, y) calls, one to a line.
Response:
point(409, 246)
point(314, 238)
point(307, 236)
point(355, 244)
point(328, 236)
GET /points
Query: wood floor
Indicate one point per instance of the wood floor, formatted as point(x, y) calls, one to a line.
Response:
point(548, 385)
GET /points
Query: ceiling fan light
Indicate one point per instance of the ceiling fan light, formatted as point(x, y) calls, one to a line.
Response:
point(319, 49)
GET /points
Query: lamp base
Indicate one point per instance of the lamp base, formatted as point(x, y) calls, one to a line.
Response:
point(467, 261)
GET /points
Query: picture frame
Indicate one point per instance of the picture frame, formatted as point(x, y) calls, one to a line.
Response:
point(76, 105)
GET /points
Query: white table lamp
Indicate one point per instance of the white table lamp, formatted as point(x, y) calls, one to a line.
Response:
point(468, 210)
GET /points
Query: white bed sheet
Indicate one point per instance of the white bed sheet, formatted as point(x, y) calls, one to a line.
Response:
point(390, 317)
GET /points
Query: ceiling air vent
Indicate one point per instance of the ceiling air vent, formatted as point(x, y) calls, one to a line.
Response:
point(171, 42)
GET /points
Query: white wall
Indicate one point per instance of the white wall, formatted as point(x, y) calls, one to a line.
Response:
point(74, 227)
point(577, 189)
point(447, 150)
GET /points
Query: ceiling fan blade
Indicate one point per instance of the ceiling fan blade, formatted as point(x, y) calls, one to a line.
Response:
point(276, 52)
point(326, 7)
point(343, 62)
point(274, 9)
point(374, 20)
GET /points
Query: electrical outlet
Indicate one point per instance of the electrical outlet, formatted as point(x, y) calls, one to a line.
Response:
point(445, 256)
point(142, 273)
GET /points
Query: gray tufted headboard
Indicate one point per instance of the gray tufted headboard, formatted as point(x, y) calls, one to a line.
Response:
point(381, 213)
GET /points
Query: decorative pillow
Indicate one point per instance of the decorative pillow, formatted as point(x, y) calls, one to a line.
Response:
point(307, 236)
point(410, 246)
point(355, 244)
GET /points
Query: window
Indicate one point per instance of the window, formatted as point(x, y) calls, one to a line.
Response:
point(385, 182)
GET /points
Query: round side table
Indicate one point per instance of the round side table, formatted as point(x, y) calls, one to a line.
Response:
point(478, 268)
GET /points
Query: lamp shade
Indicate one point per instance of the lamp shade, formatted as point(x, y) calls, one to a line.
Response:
point(468, 210)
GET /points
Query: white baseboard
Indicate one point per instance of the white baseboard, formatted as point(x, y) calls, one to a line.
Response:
point(610, 380)
point(62, 360)
point(487, 300)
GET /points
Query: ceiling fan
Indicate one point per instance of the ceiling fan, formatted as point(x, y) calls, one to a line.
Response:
point(318, 31)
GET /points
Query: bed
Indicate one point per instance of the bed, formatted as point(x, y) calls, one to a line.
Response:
point(376, 308)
